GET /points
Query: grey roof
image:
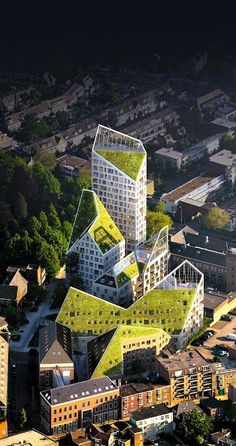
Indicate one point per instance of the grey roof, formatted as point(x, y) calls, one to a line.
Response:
point(214, 244)
point(149, 412)
point(55, 344)
point(186, 407)
point(213, 299)
point(77, 391)
point(8, 292)
point(198, 254)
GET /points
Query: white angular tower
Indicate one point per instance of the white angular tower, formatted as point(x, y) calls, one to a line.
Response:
point(119, 174)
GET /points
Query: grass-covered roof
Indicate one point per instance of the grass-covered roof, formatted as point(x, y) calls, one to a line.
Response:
point(128, 161)
point(86, 314)
point(128, 273)
point(111, 362)
point(92, 216)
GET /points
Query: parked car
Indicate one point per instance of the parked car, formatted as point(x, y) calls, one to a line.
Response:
point(231, 336)
point(226, 317)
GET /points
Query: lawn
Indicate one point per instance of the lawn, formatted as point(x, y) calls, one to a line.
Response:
point(128, 161)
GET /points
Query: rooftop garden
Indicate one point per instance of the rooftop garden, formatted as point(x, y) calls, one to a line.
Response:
point(86, 314)
point(128, 273)
point(111, 362)
point(85, 215)
point(128, 161)
point(104, 231)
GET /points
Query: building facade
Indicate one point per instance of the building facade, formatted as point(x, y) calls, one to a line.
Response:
point(119, 174)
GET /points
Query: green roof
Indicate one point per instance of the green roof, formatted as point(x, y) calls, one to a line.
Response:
point(111, 362)
point(128, 161)
point(129, 273)
point(85, 314)
point(93, 216)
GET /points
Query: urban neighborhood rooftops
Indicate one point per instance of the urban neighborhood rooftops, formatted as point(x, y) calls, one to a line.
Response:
point(188, 187)
point(224, 157)
point(184, 360)
point(92, 217)
point(152, 411)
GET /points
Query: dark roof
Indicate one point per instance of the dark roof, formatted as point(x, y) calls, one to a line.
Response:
point(186, 407)
point(213, 299)
point(214, 244)
point(55, 344)
point(81, 390)
point(213, 403)
point(152, 411)
point(132, 389)
point(8, 292)
point(198, 254)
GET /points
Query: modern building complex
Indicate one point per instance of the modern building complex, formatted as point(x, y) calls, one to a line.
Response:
point(56, 367)
point(95, 238)
point(175, 305)
point(137, 273)
point(119, 175)
point(78, 405)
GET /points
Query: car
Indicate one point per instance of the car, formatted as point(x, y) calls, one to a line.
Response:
point(231, 336)
point(226, 317)
point(197, 343)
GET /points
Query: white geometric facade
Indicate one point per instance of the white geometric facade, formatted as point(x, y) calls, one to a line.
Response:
point(119, 174)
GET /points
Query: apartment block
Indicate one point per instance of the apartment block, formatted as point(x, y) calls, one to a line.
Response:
point(136, 274)
point(119, 174)
point(189, 375)
point(95, 238)
point(68, 408)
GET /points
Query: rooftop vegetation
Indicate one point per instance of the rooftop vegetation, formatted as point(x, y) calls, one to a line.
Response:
point(86, 314)
point(85, 215)
point(92, 215)
point(128, 273)
point(104, 231)
point(128, 161)
point(111, 362)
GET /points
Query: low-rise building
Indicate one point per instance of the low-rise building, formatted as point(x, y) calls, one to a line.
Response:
point(13, 289)
point(209, 102)
point(169, 156)
point(29, 438)
point(216, 409)
point(72, 165)
point(199, 188)
point(56, 365)
point(228, 111)
point(223, 163)
point(7, 143)
point(68, 408)
point(120, 433)
point(189, 375)
point(153, 421)
point(218, 304)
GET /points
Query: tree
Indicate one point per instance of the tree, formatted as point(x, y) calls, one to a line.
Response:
point(161, 207)
point(47, 256)
point(59, 295)
point(216, 218)
point(196, 426)
point(20, 208)
point(11, 316)
point(22, 418)
point(67, 229)
point(48, 184)
point(48, 159)
point(157, 221)
point(84, 179)
point(53, 218)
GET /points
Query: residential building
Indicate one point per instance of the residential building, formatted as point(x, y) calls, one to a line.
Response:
point(222, 438)
point(52, 144)
point(120, 433)
point(222, 378)
point(214, 408)
point(176, 302)
point(125, 351)
point(154, 421)
point(72, 165)
point(7, 143)
point(18, 98)
point(137, 273)
point(185, 408)
point(213, 256)
point(189, 375)
point(34, 274)
point(68, 408)
point(223, 163)
point(225, 123)
point(78, 437)
point(95, 238)
point(4, 350)
point(29, 438)
point(119, 176)
point(13, 289)
point(218, 304)
point(169, 156)
point(209, 102)
point(198, 189)
point(56, 365)
point(148, 129)
point(228, 111)
point(137, 396)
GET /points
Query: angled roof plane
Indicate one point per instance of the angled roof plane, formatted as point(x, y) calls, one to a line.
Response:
point(92, 217)
point(122, 151)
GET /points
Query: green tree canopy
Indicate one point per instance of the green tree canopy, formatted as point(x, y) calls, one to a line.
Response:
point(53, 218)
point(48, 184)
point(196, 426)
point(156, 221)
point(216, 218)
point(20, 207)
